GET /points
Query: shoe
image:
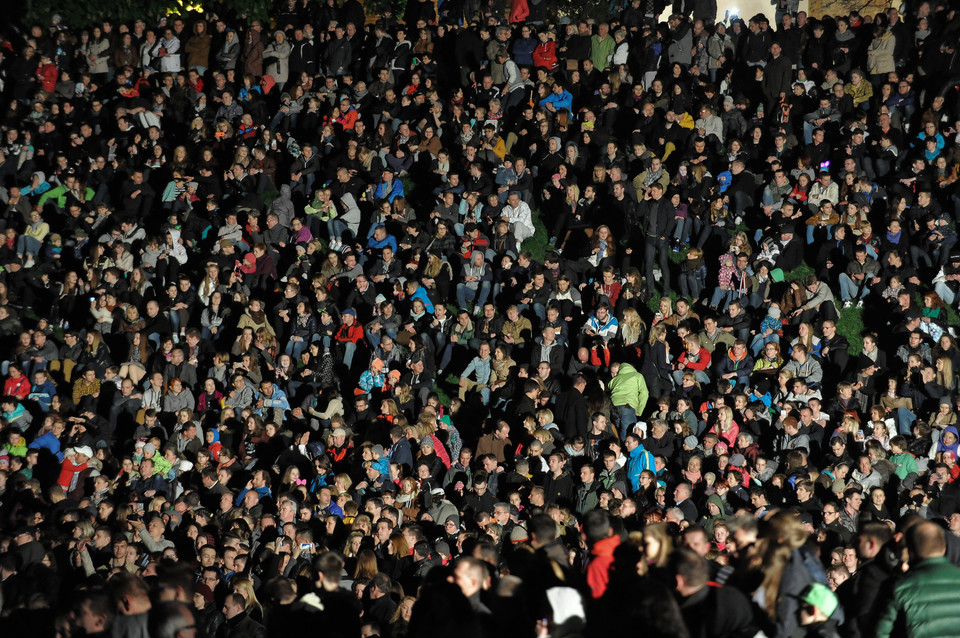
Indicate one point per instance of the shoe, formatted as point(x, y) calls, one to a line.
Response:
point(477, 311)
point(335, 245)
point(860, 304)
point(29, 263)
point(847, 304)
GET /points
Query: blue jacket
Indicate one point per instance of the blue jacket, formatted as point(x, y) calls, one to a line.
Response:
point(562, 101)
point(378, 246)
point(421, 294)
point(262, 491)
point(278, 400)
point(389, 191)
point(47, 442)
point(638, 461)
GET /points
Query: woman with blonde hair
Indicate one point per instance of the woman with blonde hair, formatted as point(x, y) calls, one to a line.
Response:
point(945, 374)
point(632, 328)
point(655, 367)
point(780, 559)
point(243, 585)
point(657, 545)
point(725, 427)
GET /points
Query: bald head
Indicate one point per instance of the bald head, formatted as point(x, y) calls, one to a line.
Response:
point(926, 540)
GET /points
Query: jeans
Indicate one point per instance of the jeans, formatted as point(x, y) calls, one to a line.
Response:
point(759, 341)
point(295, 348)
point(657, 249)
point(349, 348)
point(27, 245)
point(849, 288)
point(699, 374)
point(680, 235)
point(724, 296)
point(465, 293)
point(690, 286)
point(904, 419)
point(336, 228)
point(626, 418)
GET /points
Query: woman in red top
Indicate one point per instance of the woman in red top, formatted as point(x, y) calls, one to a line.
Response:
point(17, 385)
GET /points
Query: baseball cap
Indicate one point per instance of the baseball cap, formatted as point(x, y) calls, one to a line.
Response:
point(821, 597)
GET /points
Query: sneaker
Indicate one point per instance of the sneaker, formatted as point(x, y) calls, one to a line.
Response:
point(860, 304)
point(29, 263)
point(335, 245)
point(847, 304)
point(477, 311)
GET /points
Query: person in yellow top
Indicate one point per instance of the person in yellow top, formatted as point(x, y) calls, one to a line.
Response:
point(858, 88)
point(30, 242)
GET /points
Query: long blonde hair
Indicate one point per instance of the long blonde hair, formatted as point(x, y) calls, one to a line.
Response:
point(945, 376)
point(633, 326)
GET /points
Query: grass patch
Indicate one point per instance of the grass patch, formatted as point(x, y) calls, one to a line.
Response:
point(537, 243)
point(269, 196)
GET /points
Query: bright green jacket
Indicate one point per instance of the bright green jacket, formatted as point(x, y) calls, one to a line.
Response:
point(629, 388)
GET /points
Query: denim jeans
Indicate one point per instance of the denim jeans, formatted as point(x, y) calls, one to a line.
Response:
point(848, 288)
point(626, 418)
point(466, 293)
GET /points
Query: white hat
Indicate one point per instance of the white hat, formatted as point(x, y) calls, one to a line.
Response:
point(85, 450)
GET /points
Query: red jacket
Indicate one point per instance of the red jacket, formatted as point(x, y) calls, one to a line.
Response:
point(48, 77)
point(17, 387)
point(352, 333)
point(545, 55)
point(702, 362)
point(598, 571)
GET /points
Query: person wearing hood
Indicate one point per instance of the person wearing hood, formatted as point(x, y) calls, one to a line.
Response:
point(17, 197)
point(172, 256)
point(282, 206)
point(253, 54)
point(229, 51)
point(949, 441)
point(276, 58)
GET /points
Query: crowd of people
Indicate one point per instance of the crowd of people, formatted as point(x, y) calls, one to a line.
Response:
point(486, 321)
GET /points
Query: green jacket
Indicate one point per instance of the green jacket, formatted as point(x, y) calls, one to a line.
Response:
point(629, 388)
point(59, 194)
point(925, 602)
